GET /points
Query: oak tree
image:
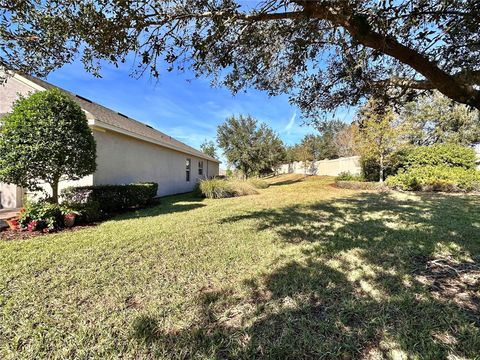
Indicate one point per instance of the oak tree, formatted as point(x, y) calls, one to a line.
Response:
point(323, 53)
point(249, 146)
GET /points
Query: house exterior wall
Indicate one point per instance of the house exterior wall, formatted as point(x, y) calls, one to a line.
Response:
point(10, 91)
point(11, 196)
point(323, 167)
point(123, 159)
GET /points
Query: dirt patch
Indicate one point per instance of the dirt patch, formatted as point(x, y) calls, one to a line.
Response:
point(133, 302)
point(458, 282)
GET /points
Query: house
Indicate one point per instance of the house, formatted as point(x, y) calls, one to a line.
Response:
point(128, 151)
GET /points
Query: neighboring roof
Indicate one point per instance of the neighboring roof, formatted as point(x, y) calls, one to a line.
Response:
point(118, 120)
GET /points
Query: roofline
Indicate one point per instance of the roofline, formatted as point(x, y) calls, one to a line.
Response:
point(95, 123)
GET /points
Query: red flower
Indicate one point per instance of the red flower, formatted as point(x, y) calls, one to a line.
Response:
point(32, 225)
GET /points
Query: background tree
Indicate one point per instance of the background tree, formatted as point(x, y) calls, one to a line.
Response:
point(209, 148)
point(437, 119)
point(290, 154)
point(344, 141)
point(323, 53)
point(249, 146)
point(378, 136)
point(304, 154)
point(271, 150)
point(45, 139)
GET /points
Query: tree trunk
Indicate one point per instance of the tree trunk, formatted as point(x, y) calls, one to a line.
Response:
point(381, 168)
point(54, 186)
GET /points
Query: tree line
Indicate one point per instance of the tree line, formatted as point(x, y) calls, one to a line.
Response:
point(378, 134)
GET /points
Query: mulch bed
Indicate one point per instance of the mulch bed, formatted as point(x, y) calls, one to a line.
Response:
point(12, 235)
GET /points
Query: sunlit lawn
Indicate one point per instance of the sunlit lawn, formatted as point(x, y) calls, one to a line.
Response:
point(302, 270)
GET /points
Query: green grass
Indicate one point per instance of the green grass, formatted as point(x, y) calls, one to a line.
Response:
point(301, 270)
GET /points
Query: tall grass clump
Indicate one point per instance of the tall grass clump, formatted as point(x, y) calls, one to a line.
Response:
point(221, 188)
point(242, 188)
point(215, 189)
point(258, 183)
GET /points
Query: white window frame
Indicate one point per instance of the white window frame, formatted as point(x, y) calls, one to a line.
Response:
point(188, 167)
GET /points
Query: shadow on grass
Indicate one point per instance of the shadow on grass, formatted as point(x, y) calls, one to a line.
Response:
point(363, 287)
point(288, 181)
point(168, 205)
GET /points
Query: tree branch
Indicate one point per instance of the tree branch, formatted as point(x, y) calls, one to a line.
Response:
point(405, 83)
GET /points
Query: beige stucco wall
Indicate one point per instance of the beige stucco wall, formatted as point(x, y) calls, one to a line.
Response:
point(9, 92)
point(11, 196)
point(122, 159)
point(46, 190)
point(324, 167)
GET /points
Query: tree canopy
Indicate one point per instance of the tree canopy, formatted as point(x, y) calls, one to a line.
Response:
point(249, 146)
point(45, 139)
point(437, 119)
point(378, 136)
point(323, 53)
point(209, 148)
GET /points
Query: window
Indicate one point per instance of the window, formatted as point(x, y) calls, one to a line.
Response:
point(187, 169)
point(200, 168)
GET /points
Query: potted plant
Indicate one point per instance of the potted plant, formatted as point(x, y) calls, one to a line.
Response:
point(13, 223)
point(69, 218)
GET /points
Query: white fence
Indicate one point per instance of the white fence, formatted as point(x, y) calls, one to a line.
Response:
point(323, 167)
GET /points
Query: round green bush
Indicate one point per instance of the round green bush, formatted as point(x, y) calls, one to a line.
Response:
point(448, 155)
point(436, 178)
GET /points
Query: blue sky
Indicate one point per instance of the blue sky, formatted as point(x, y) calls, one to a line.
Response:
point(184, 107)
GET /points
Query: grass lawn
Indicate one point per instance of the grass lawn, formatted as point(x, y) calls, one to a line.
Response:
point(302, 270)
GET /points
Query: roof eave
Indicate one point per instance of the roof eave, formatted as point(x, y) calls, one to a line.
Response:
point(95, 123)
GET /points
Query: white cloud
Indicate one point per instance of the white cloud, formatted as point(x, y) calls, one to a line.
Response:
point(290, 124)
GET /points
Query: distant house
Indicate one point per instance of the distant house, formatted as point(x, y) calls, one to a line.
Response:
point(127, 150)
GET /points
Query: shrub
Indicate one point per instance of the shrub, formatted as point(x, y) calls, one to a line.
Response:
point(107, 199)
point(242, 188)
point(371, 166)
point(42, 216)
point(436, 178)
point(450, 155)
point(348, 176)
point(215, 188)
point(87, 212)
point(258, 183)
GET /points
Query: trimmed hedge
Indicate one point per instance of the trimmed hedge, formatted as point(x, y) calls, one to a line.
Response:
point(436, 178)
point(107, 199)
point(446, 155)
